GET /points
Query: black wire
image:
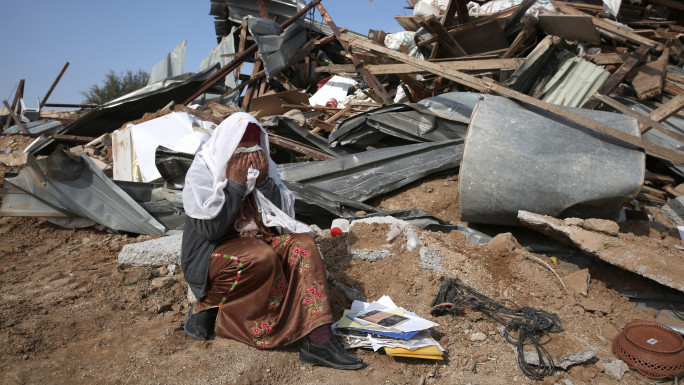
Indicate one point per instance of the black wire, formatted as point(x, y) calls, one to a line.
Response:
point(530, 324)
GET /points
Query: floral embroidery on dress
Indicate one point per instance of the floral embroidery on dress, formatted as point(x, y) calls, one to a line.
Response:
point(261, 332)
point(281, 241)
point(237, 278)
point(299, 257)
point(278, 292)
point(314, 298)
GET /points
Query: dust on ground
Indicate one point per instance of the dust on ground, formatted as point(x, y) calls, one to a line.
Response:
point(71, 314)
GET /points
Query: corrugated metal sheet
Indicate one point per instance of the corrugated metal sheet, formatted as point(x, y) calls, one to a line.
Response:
point(574, 83)
point(172, 65)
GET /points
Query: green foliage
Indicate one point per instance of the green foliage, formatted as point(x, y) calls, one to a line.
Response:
point(115, 86)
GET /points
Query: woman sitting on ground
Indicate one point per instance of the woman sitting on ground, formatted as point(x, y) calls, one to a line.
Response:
point(257, 273)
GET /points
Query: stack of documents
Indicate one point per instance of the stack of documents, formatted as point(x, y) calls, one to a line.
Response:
point(382, 325)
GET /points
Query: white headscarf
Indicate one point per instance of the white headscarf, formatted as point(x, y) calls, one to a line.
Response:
point(203, 195)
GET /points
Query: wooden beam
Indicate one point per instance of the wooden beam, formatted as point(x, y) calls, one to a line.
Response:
point(460, 65)
point(489, 86)
point(247, 99)
point(52, 87)
point(645, 121)
point(618, 76)
point(451, 10)
point(668, 109)
point(262, 9)
point(16, 119)
point(17, 95)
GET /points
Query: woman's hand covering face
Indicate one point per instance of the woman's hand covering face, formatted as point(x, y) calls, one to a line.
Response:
point(237, 167)
point(259, 162)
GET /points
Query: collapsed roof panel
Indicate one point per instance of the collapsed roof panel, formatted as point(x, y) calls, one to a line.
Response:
point(368, 174)
point(75, 185)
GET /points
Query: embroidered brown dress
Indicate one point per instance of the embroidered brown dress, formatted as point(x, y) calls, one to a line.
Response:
point(270, 289)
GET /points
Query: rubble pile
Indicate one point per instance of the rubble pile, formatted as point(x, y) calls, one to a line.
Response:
point(559, 116)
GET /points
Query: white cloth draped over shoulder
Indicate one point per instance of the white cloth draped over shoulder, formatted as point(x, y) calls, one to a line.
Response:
point(203, 194)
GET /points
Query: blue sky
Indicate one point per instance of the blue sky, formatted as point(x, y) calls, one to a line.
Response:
point(96, 36)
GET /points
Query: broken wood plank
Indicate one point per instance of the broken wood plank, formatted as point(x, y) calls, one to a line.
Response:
point(522, 37)
point(609, 27)
point(432, 25)
point(371, 80)
point(602, 59)
point(659, 178)
point(570, 27)
point(199, 114)
point(338, 115)
point(668, 109)
point(16, 119)
point(646, 122)
point(321, 125)
point(298, 147)
point(648, 81)
point(654, 192)
point(488, 86)
point(52, 87)
point(673, 88)
point(618, 76)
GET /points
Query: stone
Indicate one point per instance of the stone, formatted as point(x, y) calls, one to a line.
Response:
point(601, 226)
point(162, 282)
point(504, 242)
point(674, 211)
point(616, 369)
point(609, 332)
point(578, 281)
point(573, 221)
point(370, 255)
point(593, 305)
point(478, 337)
point(155, 252)
point(431, 259)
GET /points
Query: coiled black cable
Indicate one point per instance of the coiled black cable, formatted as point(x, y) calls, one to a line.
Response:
point(530, 324)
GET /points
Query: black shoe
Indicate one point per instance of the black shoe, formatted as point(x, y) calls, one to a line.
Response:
point(199, 326)
point(332, 355)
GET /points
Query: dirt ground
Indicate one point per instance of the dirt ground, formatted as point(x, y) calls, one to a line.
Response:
point(71, 314)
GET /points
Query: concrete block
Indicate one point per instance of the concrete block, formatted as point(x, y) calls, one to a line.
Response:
point(156, 252)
